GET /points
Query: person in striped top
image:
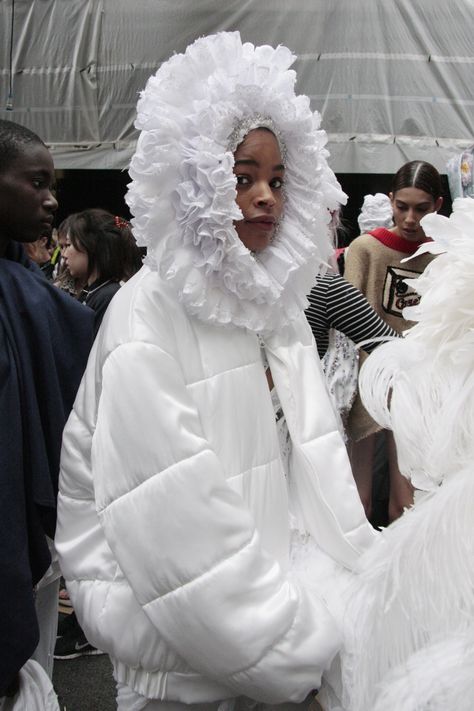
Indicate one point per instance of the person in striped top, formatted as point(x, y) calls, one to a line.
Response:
point(335, 303)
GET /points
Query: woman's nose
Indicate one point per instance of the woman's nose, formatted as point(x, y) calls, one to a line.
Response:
point(264, 195)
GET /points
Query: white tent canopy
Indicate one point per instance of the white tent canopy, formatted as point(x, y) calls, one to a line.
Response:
point(393, 79)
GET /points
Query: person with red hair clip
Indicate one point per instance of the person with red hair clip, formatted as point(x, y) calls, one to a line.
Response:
point(101, 253)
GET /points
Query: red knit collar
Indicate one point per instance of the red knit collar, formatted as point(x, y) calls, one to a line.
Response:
point(399, 244)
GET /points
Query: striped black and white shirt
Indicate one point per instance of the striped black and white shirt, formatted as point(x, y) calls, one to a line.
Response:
point(335, 303)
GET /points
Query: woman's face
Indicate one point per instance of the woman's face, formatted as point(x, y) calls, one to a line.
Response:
point(259, 171)
point(409, 205)
point(77, 261)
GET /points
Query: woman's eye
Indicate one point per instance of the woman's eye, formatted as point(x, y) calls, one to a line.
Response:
point(242, 179)
point(277, 183)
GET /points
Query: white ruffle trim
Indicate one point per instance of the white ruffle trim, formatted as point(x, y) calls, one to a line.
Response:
point(183, 188)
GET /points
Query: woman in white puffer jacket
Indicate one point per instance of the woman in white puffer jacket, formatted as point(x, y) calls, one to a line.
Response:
point(173, 529)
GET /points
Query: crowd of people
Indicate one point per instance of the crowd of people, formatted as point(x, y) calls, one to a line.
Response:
point(183, 414)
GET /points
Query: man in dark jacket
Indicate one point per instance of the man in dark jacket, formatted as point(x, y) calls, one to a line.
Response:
point(45, 337)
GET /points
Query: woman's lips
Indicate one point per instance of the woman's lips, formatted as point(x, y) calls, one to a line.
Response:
point(263, 223)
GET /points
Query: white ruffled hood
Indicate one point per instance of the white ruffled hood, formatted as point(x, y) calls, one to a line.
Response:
point(183, 189)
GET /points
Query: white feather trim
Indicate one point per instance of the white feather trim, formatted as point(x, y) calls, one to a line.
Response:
point(415, 590)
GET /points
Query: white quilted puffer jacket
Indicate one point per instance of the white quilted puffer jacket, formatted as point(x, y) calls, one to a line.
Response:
point(173, 509)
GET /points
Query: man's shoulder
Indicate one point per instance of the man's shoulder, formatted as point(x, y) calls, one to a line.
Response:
point(27, 291)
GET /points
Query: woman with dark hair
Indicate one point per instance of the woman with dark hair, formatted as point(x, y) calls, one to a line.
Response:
point(375, 264)
point(101, 252)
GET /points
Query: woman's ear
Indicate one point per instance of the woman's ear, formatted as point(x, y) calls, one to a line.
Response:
point(390, 197)
point(438, 203)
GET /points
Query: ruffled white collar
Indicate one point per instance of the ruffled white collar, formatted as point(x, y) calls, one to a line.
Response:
point(184, 190)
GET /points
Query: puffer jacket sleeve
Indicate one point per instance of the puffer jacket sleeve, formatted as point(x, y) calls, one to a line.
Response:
point(187, 544)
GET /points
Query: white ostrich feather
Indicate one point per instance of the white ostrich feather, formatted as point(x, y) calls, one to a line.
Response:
point(416, 587)
point(409, 615)
point(422, 387)
point(437, 678)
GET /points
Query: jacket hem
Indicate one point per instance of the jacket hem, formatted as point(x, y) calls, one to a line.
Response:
point(186, 687)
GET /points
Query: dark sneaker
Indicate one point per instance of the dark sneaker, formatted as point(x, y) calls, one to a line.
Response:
point(66, 621)
point(71, 642)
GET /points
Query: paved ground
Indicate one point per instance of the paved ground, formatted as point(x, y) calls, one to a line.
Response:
point(85, 684)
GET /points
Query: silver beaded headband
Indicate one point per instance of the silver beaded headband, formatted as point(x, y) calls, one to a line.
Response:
point(249, 123)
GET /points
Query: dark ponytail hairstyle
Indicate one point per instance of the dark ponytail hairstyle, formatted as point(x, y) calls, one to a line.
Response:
point(418, 174)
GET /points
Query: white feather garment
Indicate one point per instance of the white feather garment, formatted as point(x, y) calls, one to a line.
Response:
point(415, 596)
point(430, 372)
point(438, 678)
point(417, 588)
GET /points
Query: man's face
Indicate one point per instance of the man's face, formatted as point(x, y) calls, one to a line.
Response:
point(27, 205)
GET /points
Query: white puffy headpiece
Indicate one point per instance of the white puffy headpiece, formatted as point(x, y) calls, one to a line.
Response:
point(183, 190)
point(376, 211)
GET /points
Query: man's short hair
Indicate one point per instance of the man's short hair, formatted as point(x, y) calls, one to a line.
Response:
point(13, 138)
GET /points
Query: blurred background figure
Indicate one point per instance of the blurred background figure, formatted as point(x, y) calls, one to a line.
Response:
point(100, 254)
point(62, 277)
point(460, 174)
point(43, 253)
